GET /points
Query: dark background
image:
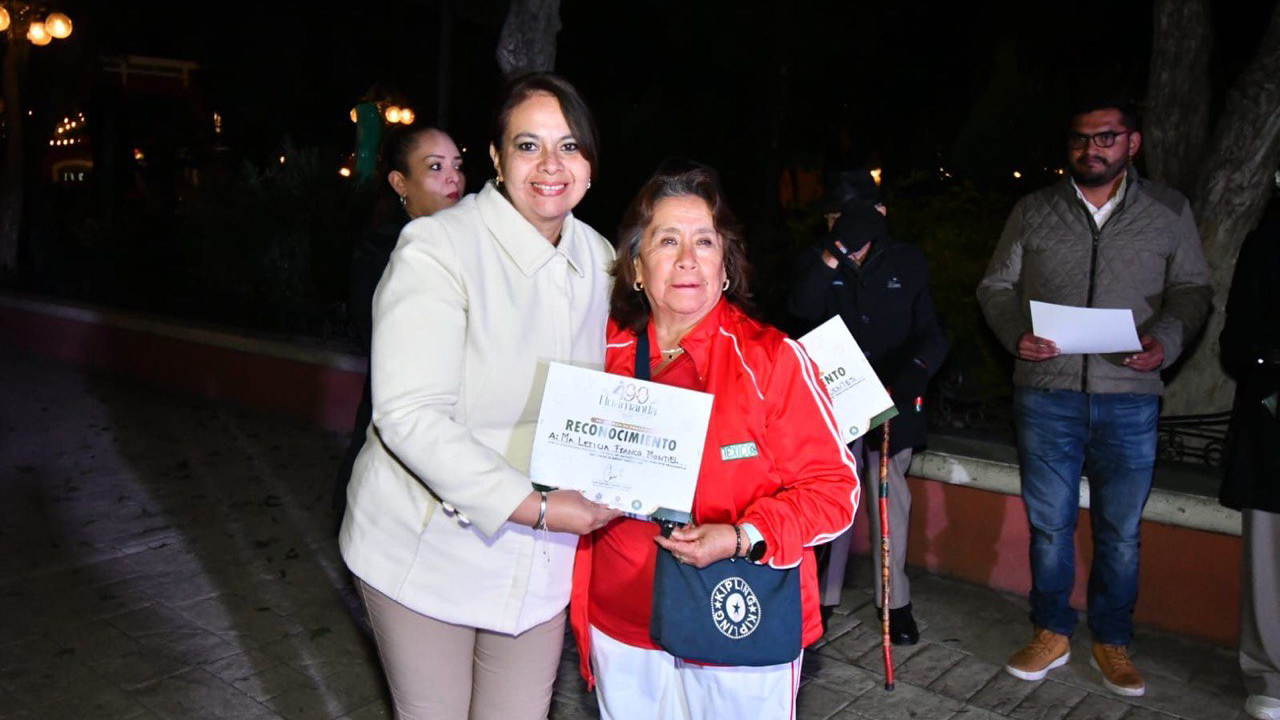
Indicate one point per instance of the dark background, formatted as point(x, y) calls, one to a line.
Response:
point(906, 85)
point(948, 98)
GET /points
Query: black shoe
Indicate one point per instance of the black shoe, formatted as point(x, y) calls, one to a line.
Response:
point(902, 625)
point(826, 616)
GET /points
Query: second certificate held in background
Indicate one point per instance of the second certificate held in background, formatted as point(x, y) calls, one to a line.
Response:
point(858, 398)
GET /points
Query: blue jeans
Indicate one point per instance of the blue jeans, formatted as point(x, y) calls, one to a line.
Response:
point(1059, 432)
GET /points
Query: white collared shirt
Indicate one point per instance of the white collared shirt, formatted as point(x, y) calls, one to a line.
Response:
point(1102, 214)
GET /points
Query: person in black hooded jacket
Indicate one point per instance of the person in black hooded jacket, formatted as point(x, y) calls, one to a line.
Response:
point(880, 289)
point(1250, 345)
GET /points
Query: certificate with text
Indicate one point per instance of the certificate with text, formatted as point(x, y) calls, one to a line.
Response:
point(631, 444)
point(857, 395)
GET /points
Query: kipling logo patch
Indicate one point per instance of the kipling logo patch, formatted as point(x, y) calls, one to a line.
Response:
point(735, 609)
point(738, 451)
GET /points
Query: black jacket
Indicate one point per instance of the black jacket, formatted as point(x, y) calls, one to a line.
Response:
point(1250, 344)
point(367, 265)
point(888, 308)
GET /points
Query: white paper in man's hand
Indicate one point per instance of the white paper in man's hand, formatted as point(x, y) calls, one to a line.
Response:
point(1079, 330)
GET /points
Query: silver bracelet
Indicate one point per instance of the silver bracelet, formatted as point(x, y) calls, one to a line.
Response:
point(541, 524)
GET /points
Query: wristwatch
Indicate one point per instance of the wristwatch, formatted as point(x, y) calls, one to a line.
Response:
point(756, 548)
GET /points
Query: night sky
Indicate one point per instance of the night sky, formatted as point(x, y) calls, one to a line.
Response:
point(748, 87)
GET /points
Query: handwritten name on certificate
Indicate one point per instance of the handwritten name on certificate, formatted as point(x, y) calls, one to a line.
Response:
point(857, 396)
point(630, 444)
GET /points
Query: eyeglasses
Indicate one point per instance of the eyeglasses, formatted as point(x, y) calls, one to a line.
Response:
point(1080, 141)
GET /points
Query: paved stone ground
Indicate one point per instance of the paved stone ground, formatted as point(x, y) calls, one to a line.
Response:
point(166, 557)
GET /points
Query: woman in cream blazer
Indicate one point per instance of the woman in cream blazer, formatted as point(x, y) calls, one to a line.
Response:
point(465, 569)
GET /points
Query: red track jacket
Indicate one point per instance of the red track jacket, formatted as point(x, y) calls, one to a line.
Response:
point(773, 456)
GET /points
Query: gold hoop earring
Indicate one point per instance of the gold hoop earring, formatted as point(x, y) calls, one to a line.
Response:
point(497, 183)
point(724, 287)
point(637, 286)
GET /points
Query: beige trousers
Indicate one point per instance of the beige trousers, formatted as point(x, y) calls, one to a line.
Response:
point(831, 582)
point(439, 671)
point(899, 517)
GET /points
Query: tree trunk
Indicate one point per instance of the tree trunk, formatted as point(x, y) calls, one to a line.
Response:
point(1232, 192)
point(1177, 122)
point(528, 39)
point(14, 177)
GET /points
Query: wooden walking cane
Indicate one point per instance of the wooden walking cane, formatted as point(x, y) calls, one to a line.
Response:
point(884, 557)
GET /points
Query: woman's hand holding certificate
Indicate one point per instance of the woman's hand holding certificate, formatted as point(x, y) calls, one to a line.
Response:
point(565, 511)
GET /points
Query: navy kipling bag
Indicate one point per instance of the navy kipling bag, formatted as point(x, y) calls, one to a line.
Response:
point(732, 612)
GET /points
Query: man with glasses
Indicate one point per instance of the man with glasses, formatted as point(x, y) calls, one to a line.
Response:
point(1103, 238)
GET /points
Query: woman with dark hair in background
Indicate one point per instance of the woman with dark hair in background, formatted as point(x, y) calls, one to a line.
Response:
point(786, 483)
point(424, 170)
point(464, 567)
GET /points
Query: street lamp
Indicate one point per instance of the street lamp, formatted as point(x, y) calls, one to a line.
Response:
point(390, 114)
point(38, 35)
point(32, 19)
point(372, 116)
point(58, 25)
point(41, 29)
point(396, 114)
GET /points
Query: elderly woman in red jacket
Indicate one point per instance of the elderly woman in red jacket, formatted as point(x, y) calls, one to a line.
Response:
point(787, 484)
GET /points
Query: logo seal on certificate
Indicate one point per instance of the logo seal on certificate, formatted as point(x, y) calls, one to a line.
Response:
point(630, 444)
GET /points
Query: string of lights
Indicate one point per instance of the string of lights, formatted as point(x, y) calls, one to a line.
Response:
point(69, 131)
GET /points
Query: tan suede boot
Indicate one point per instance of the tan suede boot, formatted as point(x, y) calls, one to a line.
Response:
point(1118, 673)
point(1046, 651)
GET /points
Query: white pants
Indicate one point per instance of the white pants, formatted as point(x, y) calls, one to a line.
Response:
point(637, 684)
